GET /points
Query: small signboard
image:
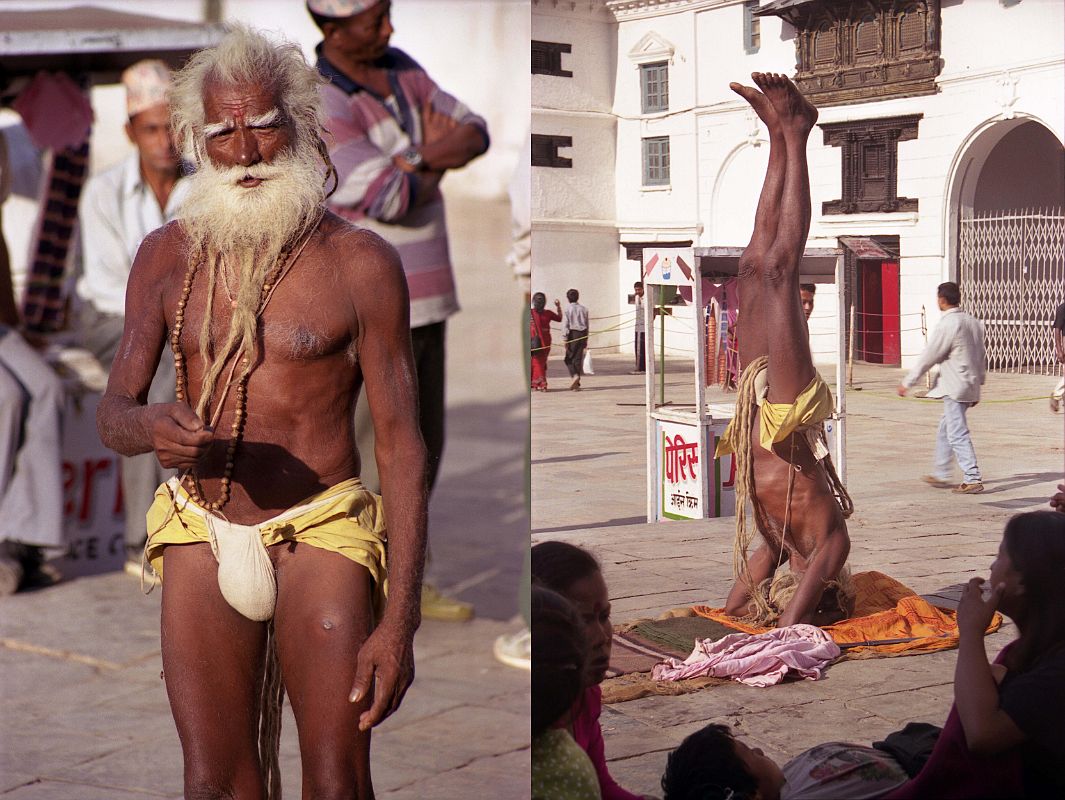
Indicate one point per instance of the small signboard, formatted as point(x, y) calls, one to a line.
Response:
point(93, 513)
point(680, 471)
point(674, 266)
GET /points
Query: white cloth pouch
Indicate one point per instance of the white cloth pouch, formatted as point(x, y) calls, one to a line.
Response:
point(245, 572)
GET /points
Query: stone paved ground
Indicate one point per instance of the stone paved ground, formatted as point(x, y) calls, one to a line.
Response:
point(588, 480)
point(83, 712)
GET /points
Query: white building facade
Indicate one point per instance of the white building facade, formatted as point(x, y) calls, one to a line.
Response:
point(938, 154)
point(574, 129)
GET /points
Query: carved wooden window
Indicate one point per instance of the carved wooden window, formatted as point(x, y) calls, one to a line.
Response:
point(850, 51)
point(656, 161)
point(654, 87)
point(867, 40)
point(870, 164)
point(545, 151)
point(825, 44)
point(547, 59)
point(873, 184)
point(910, 30)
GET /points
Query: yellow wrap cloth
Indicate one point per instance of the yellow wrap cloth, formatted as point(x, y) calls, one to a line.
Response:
point(345, 518)
point(779, 420)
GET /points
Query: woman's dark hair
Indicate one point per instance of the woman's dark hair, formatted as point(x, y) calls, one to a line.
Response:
point(558, 658)
point(558, 565)
point(706, 767)
point(539, 298)
point(1035, 543)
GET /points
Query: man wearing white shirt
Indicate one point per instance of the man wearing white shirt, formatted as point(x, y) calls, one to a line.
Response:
point(575, 333)
point(118, 209)
point(957, 345)
point(121, 206)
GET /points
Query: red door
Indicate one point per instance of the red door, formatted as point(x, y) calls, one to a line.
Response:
point(878, 312)
point(889, 282)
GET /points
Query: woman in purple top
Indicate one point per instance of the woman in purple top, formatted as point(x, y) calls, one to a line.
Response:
point(1004, 735)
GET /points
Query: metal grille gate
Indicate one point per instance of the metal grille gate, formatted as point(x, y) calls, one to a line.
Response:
point(1011, 270)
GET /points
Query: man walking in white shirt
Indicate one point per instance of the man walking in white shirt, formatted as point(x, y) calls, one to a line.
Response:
point(957, 345)
point(575, 333)
point(118, 209)
point(640, 331)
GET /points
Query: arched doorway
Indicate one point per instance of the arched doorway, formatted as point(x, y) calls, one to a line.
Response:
point(1007, 228)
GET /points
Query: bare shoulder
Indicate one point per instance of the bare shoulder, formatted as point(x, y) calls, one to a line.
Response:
point(357, 253)
point(161, 251)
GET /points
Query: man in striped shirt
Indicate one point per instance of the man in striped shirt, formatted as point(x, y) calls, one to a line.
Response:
point(393, 135)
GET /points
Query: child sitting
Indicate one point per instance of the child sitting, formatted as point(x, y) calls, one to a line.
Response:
point(712, 765)
point(561, 770)
point(574, 573)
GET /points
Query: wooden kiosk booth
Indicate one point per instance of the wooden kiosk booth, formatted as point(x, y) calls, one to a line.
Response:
point(684, 480)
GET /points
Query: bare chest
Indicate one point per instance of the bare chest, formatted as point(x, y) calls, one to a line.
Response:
point(303, 320)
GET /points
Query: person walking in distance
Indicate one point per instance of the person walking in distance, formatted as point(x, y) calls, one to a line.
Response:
point(540, 319)
point(957, 345)
point(640, 335)
point(575, 334)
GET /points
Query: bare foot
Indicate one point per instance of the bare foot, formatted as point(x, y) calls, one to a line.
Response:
point(760, 103)
point(795, 112)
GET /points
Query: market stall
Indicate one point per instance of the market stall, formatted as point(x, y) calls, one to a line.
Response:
point(684, 480)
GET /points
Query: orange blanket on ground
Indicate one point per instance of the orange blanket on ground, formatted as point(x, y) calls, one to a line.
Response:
point(885, 611)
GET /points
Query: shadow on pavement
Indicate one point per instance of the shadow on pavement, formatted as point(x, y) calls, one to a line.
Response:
point(478, 515)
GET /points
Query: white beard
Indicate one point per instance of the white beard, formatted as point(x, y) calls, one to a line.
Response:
point(246, 228)
point(220, 216)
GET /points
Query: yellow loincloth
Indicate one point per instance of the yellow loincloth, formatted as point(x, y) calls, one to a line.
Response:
point(779, 420)
point(345, 518)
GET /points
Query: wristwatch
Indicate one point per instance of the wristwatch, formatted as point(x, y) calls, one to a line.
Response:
point(412, 158)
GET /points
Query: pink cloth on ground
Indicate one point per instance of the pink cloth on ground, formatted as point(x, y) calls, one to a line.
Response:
point(761, 659)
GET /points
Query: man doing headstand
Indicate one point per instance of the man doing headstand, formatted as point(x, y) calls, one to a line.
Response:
point(782, 462)
point(277, 313)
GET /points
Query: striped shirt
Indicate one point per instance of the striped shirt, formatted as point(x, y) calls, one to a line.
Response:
point(364, 132)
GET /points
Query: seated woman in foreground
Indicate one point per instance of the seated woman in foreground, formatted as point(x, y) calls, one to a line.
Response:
point(574, 573)
point(1004, 734)
point(561, 770)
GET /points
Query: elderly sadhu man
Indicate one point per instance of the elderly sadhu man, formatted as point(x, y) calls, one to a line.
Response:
point(783, 465)
point(276, 314)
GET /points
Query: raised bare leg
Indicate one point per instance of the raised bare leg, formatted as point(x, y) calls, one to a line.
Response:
point(790, 363)
point(753, 334)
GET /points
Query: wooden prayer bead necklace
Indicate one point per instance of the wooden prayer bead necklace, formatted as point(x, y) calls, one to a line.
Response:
point(285, 260)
